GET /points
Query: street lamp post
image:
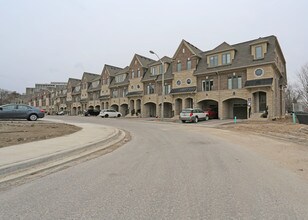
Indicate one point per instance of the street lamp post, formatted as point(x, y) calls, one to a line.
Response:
point(163, 85)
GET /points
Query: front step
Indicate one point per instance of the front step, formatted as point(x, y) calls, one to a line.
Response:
point(257, 116)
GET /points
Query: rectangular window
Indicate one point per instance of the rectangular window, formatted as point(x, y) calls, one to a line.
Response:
point(153, 71)
point(239, 82)
point(161, 68)
point(213, 61)
point(179, 67)
point(188, 64)
point(114, 93)
point(226, 58)
point(259, 52)
point(150, 89)
point(235, 82)
point(124, 92)
point(207, 85)
point(167, 89)
point(133, 74)
point(138, 73)
point(119, 78)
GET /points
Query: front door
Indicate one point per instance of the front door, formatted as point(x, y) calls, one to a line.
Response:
point(262, 101)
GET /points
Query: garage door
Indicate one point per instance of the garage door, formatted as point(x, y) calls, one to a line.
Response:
point(240, 111)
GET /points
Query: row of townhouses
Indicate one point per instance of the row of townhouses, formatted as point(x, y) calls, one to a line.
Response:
point(241, 80)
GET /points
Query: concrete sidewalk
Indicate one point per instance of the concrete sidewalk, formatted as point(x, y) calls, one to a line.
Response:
point(20, 160)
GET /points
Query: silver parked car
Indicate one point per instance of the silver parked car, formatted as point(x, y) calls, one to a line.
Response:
point(105, 113)
point(193, 115)
point(21, 111)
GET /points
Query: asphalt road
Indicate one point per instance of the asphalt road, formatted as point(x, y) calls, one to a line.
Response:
point(167, 171)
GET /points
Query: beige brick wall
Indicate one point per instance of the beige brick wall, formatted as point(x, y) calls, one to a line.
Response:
point(183, 76)
point(133, 85)
point(268, 72)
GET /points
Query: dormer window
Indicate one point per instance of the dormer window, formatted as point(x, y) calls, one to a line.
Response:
point(213, 61)
point(258, 52)
point(179, 66)
point(120, 78)
point(133, 74)
point(226, 58)
point(138, 73)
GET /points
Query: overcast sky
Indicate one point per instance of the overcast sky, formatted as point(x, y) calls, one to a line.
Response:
point(51, 40)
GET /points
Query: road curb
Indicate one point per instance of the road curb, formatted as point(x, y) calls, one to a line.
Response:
point(25, 168)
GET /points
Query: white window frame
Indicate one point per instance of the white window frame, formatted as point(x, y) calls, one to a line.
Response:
point(235, 82)
point(226, 58)
point(213, 60)
point(167, 89)
point(188, 62)
point(257, 55)
point(209, 87)
point(179, 66)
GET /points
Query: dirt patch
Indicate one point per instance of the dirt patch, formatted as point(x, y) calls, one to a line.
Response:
point(280, 128)
point(19, 132)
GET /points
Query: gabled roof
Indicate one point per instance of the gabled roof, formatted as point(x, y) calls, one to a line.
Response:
point(97, 87)
point(165, 59)
point(125, 70)
point(74, 81)
point(222, 47)
point(144, 61)
point(194, 50)
point(89, 76)
point(125, 82)
point(111, 69)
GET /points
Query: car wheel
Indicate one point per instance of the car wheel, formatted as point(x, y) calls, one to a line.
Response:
point(183, 121)
point(119, 115)
point(207, 118)
point(106, 116)
point(196, 119)
point(32, 117)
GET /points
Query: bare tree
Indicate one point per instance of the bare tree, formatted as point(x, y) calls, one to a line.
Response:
point(3, 96)
point(292, 96)
point(303, 85)
point(8, 97)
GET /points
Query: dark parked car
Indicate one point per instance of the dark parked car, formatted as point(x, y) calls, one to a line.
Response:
point(91, 112)
point(21, 111)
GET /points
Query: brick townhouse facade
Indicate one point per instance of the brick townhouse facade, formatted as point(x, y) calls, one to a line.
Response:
point(241, 80)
